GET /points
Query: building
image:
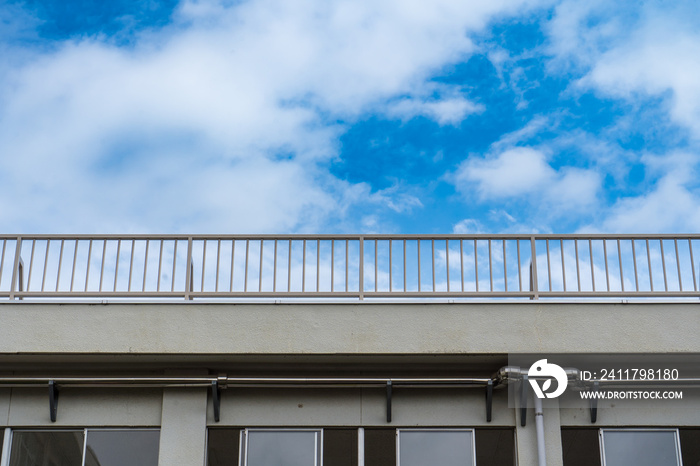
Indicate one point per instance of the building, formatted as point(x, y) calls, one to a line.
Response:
point(347, 350)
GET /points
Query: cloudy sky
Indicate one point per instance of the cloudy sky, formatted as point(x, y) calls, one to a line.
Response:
point(349, 116)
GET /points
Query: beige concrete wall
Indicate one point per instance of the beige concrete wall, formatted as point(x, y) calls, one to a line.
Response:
point(359, 407)
point(137, 407)
point(674, 413)
point(85, 407)
point(350, 328)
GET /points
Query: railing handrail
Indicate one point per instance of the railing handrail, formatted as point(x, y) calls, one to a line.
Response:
point(456, 265)
point(342, 236)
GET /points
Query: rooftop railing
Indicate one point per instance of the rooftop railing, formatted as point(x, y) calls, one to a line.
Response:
point(351, 266)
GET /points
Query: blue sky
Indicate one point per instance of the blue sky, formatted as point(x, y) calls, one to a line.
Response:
point(278, 116)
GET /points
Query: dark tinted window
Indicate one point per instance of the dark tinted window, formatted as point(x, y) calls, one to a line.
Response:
point(690, 446)
point(495, 447)
point(222, 447)
point(380, 447)
point(135, 447)
point(419, 447)
point(59, 448)
point(580, 447)
point(340, 447)
point(122, 447)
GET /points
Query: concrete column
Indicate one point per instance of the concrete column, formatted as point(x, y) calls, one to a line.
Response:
point(183, 427)
point(526, 437)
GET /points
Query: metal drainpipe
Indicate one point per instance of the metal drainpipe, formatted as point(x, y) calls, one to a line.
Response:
point(539, 425)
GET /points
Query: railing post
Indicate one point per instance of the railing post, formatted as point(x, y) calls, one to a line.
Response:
point(20, 277)
point(362, 267)
point(189, 271)
point(15, 267)
point(533, 269)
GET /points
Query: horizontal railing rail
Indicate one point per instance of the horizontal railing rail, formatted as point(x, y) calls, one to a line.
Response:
point(350, 266)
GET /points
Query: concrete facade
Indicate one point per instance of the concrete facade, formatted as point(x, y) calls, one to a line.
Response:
point(386, 339)
point(348, 328)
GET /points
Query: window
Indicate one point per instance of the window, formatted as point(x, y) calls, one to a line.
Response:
point(268, 447)
point(380, 447)
point(227, 446)
point(640, 447)
point(495, 446)
point(223, 447)
point(338, 446)
point(54, 448)
point(446, 447)
point(580, 446)
point(85, 447)
point(690, 445)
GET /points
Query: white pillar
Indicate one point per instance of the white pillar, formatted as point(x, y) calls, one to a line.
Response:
point(183, 427)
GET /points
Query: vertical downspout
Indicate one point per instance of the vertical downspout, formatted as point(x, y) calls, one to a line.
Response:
point(539, 425)
point(360, 446)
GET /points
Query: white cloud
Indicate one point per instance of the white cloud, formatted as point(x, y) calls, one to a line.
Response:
point(448, 111)
point(525, 171)
point(449, 107)
point(219, 121)
point(671, 205)
point(513, 172)
point(640, 54)
point(580, 31)
point(468, 226)
point(630, 51)
point(396, 200)
point(656, 61)
point(670, 208)
point(575, 187)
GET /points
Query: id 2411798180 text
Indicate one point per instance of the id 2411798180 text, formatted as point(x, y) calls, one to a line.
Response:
point(610, 374)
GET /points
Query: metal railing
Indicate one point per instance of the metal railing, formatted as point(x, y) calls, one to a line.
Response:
point(352, 266)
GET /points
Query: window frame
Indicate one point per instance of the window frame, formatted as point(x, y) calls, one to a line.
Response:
point(471, 430)
point(244, 439)
point(9, 433)
point(601, 437)
point(6, 437)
